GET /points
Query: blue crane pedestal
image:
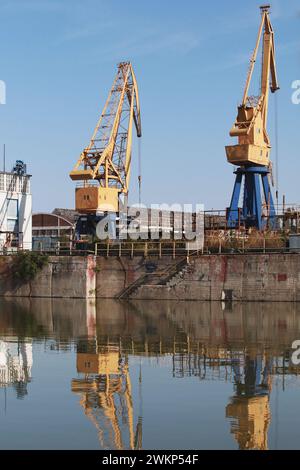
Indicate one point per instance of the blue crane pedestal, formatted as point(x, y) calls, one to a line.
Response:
point(251, 214)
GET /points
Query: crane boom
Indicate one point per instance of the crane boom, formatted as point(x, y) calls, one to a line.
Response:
point(251, 124)
point(104, 165)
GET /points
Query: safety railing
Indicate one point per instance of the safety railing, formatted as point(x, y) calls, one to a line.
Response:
point(146, 249)
point(220, 243)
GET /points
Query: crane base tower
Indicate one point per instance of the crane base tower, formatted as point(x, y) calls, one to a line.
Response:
point(252, 213)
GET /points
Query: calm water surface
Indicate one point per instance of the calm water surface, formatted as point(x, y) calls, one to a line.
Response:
point(152, 375)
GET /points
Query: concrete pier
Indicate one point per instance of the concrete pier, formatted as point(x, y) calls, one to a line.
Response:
point(63, 277)
point(251, 277)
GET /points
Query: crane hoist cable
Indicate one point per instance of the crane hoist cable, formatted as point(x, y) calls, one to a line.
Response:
point(140, 170)
point(276, 149)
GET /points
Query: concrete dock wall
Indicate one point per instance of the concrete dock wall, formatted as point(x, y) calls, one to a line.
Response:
point(251, 277)
point(114, 275)
point(62, 277)
point(254, 277)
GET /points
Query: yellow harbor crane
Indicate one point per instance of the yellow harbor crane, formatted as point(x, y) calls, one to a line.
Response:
point(103, 168)
point(252, 153)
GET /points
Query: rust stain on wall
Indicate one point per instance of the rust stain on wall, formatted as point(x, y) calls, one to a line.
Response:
point(282, 277)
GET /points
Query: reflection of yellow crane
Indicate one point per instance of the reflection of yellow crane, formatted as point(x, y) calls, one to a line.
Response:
point(252, 417)
point(106, 396)
point(104, 166)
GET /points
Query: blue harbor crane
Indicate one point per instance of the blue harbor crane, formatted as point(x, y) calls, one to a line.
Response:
point(252, 153)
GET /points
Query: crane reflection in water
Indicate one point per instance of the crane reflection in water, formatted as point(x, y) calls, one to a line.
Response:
point(249, 409)
point(220, 347)
point(105, 392)
point(195, 345)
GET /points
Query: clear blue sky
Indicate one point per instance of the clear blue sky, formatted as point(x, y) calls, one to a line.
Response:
point(58, 59)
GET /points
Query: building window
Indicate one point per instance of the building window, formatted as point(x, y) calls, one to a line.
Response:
point(12, 208)
point(12, 225)
point(2, 182)
point(11, 183)
point(12, 215)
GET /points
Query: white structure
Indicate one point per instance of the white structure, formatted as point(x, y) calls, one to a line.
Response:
point(15, 362)
point(15, 212)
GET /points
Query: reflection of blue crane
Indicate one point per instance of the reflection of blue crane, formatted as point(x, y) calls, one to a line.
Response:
point(252, 154)
point(252, 379)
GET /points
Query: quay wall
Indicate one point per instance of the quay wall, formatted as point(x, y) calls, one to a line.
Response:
point(233, 277)
point(251, 277)
point(62, 277)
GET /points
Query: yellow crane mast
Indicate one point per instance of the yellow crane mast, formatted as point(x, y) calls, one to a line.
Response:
point(103, 168)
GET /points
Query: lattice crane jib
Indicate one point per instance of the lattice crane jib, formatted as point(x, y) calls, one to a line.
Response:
point(103, 167)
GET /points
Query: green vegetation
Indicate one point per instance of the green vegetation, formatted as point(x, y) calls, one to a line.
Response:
point(27, 264)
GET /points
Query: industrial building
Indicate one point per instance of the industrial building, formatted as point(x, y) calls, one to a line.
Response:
point(50, 228)
point(15, 209)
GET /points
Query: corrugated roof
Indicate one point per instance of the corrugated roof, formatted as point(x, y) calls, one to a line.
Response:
point(68, 214)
